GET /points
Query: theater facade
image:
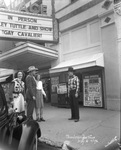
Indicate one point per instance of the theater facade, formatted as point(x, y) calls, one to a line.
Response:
point(87, 40)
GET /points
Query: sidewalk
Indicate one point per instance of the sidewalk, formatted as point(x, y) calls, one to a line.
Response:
point(96, 127)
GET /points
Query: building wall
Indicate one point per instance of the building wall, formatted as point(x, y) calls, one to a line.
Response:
point(6, 45)
point(69, 7)
point(80, 15)
point(118, 27)
point(81, 41)
point(89, 29)
point(112, 84)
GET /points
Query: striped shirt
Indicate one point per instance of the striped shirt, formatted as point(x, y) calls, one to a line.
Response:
point(73, 83)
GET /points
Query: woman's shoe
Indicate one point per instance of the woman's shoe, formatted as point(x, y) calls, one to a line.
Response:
point(38, 120)
point(42, 119)
point(76, 120)
point(70, 119)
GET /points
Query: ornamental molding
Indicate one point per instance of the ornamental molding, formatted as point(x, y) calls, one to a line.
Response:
point(117, 8)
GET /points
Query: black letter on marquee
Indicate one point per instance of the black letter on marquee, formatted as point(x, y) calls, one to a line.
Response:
point(10, 17)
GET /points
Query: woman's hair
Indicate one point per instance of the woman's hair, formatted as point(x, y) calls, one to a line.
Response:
point(37, 76)
point(16, 74)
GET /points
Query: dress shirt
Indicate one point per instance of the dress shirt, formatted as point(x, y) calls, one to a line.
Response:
point(40, 87)
point(73, 83)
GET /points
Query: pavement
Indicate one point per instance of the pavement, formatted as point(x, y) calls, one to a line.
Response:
point(97, 127)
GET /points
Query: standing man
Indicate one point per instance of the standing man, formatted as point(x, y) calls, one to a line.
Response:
point(73, 91)
point(31, 91)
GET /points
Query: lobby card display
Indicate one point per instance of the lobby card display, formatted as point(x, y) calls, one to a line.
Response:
point(62, 88)
point(54, 83)
point(92, 87)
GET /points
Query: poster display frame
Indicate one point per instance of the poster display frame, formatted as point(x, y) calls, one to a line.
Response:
point(93, 92)
point(62, 88)
point(54, 84)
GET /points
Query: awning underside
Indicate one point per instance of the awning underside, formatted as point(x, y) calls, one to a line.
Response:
point(3, 79)
point(27, 54)
point(81, 62)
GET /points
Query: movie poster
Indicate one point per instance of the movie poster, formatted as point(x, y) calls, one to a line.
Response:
point(62, 88)
point(54, 83)
point(92, 87)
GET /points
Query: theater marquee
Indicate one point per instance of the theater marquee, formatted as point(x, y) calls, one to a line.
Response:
point(26, 26)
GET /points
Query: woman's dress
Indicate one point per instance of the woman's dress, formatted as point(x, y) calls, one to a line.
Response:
point(18, 98)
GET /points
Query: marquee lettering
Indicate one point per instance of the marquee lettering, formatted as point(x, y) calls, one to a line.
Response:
point(27, 34)
point(18, 26)
point(27, 19)
point(7, 32)
point(26, 27)
point(45, 29)
point(33, 27)
point(3, 24)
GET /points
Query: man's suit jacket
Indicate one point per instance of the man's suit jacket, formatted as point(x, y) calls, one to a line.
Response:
point(30, 87)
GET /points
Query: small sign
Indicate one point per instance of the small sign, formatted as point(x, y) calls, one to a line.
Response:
point(62, 88)
point(54, 83)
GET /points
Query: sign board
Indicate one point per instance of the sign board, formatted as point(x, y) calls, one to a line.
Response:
point(62, 88)
point(54, 83)
point(26, 26)
point(92, 87)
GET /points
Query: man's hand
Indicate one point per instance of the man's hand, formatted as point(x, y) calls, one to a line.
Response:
point(34, 98)
point(45, 96)
point(25, 103)
point(68, 94)
point(76, 94)
point(10, 110)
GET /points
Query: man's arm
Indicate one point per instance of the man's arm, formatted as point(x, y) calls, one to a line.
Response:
point(77, 87)
point(68, 87)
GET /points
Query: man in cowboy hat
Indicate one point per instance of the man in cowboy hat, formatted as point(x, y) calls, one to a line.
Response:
point(73, 90)
point(31, 91)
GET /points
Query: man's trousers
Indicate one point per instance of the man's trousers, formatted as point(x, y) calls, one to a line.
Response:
point(74, 105)
point(30, 107)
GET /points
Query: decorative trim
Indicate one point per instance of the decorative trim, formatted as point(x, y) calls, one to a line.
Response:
point(107, 24)
point(84, 48)
point(117, 8)
point(101, 15)
point(80, 10)
point(25, 13)
point(66, 6)
point(80, 24)
point(119, 39)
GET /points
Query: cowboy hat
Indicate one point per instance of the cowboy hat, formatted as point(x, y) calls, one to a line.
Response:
point(32, 68)
point(70, 69)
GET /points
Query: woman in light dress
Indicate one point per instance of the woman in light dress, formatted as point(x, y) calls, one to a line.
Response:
point(39, 99)
point(18, 91)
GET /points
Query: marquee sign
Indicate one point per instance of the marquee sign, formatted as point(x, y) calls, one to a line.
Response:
point(26, 26)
